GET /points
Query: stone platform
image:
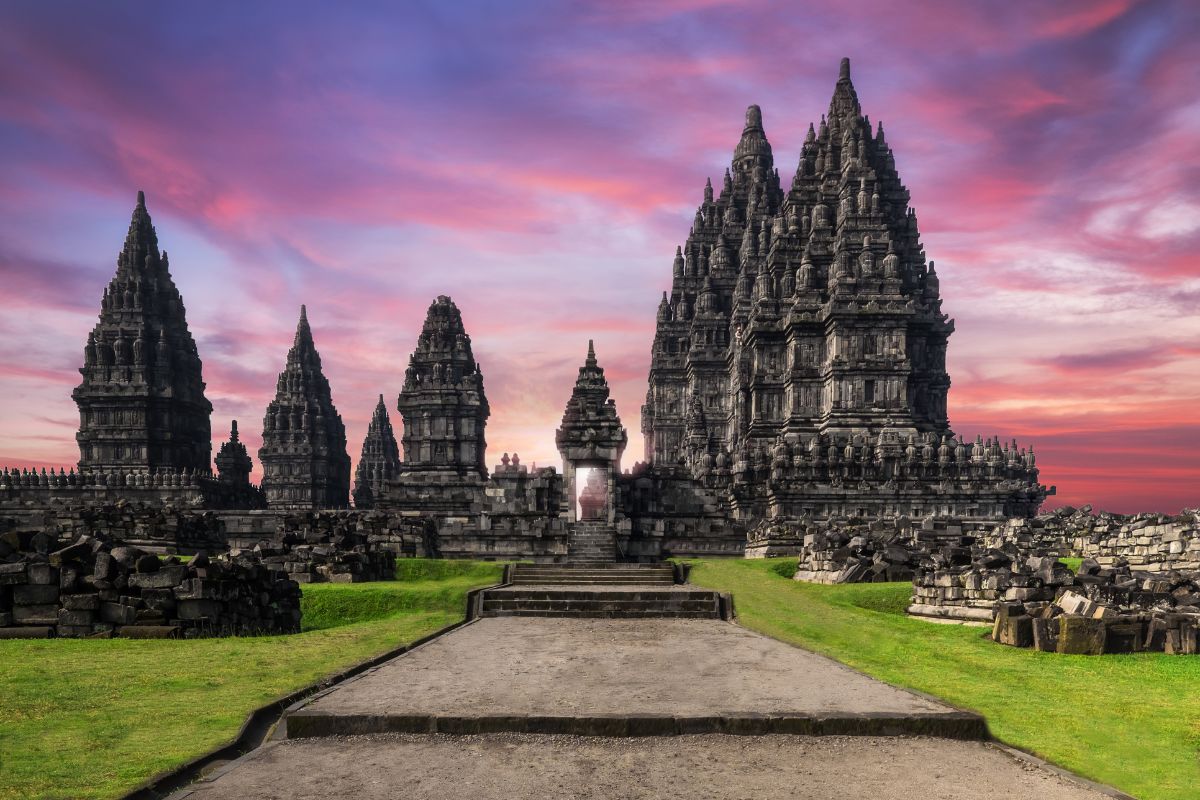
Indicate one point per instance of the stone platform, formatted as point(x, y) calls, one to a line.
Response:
point(619, 678)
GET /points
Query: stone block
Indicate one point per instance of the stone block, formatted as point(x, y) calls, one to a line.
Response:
point(1124, 637)
point(80, 602)
point(42, 574)
point(34, 632)
point(198, 609)
point(1075, 604)
point(74, 631)
point(117, 613)
point(36, 615)
point(1045, 634)
point(1080, 635)
point(166, 577)
point(12, 573)
point(76, 618)
point(1016, 631)
point(34, 594)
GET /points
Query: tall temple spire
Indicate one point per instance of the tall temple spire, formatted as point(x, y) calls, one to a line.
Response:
point(141, 401)
point(822, 332)
point(305, 464)
point(841, 238)
point(380, 459)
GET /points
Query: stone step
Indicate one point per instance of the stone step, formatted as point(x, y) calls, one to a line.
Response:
point(599, 574)
point(596, 580)
point(610, 601)
point(580, 592)
point(621, 613)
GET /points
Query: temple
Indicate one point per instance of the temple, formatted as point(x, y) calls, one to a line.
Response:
point(141, 402)
point(305, 464)
point(445, 412)
point(797, 382)
point(379, 461)
point(798, 368)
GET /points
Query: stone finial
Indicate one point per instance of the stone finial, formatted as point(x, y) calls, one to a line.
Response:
point(844, 70)
point(591, 356)
point(754, 118)
point(141, 199)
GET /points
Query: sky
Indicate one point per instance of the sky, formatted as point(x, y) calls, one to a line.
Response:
point(539, 162)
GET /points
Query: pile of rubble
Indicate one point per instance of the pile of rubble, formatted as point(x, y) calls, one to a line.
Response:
point(839, 556)
point(323, 548)
point(959, 584)
point(858, 551)
point(1038, 602)
point(93, 588)
point(343, 559)
point(147, 526)
point(1143, 541)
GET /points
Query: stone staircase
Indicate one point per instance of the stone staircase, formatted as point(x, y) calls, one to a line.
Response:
point(609, 591)
point(592, 574)
point(592, 543)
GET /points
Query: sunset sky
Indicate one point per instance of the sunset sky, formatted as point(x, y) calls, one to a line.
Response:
point(540, 161)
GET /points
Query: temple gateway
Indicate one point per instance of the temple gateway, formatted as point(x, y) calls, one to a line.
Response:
point(797, 379)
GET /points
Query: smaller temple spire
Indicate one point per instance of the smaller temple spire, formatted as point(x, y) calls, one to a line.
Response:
point(380, 460)
point(233, 460)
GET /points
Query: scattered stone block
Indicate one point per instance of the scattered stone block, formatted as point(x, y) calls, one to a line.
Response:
point(1080, 635)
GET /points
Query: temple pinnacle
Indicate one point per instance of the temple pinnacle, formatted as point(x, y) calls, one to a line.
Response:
point(753, 118)
point(844, 71)
point(591, 356)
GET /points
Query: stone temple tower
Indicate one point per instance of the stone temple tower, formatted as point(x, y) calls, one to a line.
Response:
point(799, 359)
point(305, 464)
point(445, 412)
point(141, 401)
point(442, 402)
point(807, 311)
point(380, 459)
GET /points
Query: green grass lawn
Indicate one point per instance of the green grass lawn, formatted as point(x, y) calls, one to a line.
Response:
point(92, 719)
point(1132, 721)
